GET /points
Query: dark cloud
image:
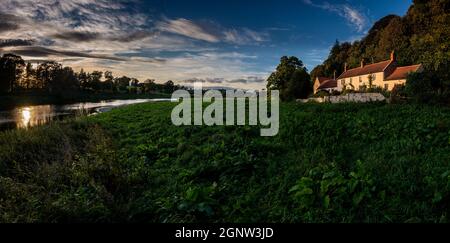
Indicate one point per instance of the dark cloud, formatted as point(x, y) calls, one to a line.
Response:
point(246, 80)
point(134, 36)
point(86, 36)
point(77, 36)
point(15, 42)
point(8, 22)
point(37, 51)
point(207, 80)
point(194, 80)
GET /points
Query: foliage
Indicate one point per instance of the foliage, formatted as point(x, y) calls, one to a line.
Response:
point(51, 77)
point(426, 87)
point(329, 163)
point(10, 69)
point(291, 79)
point(321, 94)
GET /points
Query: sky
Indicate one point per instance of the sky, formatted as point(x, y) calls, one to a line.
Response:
point(222, 43)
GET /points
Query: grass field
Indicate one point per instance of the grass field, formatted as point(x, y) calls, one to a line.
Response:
point(329, 163)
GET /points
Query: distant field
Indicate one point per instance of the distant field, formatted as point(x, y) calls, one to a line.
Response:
point(329, 163)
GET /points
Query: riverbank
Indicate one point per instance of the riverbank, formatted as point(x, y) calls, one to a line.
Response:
point(329, 163)
point(11, 101)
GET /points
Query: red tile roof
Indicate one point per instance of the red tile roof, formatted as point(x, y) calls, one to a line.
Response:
point(368, 69)
point(402, 72)
point(328, 84)
point(323, 79)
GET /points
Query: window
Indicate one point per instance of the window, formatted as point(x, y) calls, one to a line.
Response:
point(360, 79)
point(374, 77)
point(386, 86)
point(343, 81)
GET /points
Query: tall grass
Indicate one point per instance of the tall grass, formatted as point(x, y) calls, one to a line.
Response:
point(330, 163)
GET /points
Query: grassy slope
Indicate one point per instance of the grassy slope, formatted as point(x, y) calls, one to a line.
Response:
point(330, 163)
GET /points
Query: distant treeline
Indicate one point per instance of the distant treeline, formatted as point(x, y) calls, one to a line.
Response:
point(18, 76)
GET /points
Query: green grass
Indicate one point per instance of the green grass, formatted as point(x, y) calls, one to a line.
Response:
point(329, 163)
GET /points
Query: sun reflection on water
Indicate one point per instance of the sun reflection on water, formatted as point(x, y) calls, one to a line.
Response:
point(30, 116)
point(26, 116)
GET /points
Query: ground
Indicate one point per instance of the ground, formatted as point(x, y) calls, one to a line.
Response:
point(329, 163)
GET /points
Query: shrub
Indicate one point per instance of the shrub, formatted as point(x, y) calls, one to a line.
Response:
point(321, 94)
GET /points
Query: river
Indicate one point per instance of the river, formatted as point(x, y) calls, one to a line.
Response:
point(30, 116)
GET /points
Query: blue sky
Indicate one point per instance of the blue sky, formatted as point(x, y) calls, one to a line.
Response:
point(233, 43)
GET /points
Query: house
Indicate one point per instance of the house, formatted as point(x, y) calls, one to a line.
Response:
point(385, 74)
point(325, 84)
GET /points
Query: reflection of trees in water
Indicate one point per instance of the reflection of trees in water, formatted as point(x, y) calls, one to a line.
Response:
point(29, 116)
point(32, 116)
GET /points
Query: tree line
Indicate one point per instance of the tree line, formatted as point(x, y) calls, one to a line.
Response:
point(18, 76)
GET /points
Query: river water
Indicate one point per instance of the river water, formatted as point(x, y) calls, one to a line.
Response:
point(29, 116)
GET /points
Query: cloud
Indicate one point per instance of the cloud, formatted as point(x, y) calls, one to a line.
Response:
point(204, 80)
point(86, 36)
point(211, 32)
point(8, 22)
point(187, 28)
point(15, 42)
point(353, 16)
point(245, 80)
point(248, 80)
point(244, 36)
point(36, 51)
point(77, 36)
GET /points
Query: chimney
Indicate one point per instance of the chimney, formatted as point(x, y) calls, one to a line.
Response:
point(393, 58)
point(334, 75)
point(345, 67)
point(362, 63)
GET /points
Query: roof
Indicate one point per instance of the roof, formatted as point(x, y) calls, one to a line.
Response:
point(368, 69)
point(402, 72)
point(323, 79)
point(328, 84)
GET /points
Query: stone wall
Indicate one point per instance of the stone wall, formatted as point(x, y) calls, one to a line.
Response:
point(352, 97)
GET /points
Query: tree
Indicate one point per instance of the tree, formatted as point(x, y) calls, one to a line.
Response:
point(122, 83)
point(149, 85)
point(11, 67)
point(299, 86)
point(29, 79)
point(65, 80)
point(169, 86)
point(47, 73)
point(108, 84)
point(95, 82)
point(284, 80)
point(370, 79)
point(318, 71)
point(422, 86)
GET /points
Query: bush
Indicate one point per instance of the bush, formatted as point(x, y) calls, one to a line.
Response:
point(426, 87)
point(321, 94)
